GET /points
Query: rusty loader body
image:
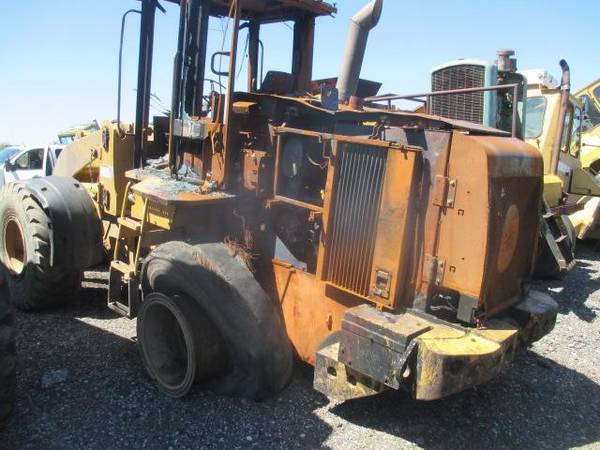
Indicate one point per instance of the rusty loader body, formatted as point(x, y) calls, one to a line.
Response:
point(495, 94)
point(389, 250)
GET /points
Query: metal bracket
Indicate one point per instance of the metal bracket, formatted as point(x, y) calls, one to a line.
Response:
point(444, 193)
point(434, 269)
point(451, 195)
point(403, 362)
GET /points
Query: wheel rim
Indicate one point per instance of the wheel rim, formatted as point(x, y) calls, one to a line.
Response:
point(179, 345)
point(167, 347)
point(14, 247)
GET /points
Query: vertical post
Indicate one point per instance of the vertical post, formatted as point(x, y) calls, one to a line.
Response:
point(253, 39)
point(515, 112)
point(232, 62)
point(176, 89)
point(144, 81)
point(230, 92)
point(302, 62)
point(198, 29)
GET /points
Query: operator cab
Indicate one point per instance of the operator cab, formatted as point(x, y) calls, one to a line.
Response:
point(194, 114)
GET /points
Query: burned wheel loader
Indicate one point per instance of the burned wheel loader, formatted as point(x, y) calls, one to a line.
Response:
point(389, 250)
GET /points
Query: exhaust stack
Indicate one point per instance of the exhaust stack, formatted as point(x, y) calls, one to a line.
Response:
point(360, 26)
point(565, 91)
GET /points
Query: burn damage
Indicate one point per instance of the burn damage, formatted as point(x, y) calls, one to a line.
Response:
point(395, 247)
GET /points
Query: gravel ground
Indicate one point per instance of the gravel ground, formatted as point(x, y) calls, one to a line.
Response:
point(549, 398)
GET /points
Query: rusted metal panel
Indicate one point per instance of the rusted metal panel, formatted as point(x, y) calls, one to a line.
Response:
point(390, 256)
point(497, 206)
point(311, 309)
point(466, 223)
point(437, 150)
point(338, 381)
point(257, 174)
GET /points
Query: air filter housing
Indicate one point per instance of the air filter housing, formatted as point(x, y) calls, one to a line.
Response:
point(477, 107)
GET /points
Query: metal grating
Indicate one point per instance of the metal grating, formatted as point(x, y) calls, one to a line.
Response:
point(458, 106)
point(354, 214)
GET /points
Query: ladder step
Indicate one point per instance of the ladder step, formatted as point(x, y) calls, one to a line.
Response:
point(131, 224)
point(122, 267)
point(119, 308)
point(561, 238)
point(548, 215)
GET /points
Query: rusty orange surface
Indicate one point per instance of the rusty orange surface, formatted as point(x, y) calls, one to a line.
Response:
point(311, 309)
point(485, 238)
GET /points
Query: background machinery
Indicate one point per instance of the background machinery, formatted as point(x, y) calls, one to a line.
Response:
point(389, 250)
point(496, 95)
point(68, 135)
point(555, 121)
point(590, 136)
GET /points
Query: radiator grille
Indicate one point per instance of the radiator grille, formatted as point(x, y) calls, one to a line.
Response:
point(354, 214)
point(459, 106)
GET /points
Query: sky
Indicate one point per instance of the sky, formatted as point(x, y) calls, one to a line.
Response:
point(58, 58)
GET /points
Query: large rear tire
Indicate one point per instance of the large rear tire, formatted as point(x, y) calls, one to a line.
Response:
point(8, 379)
point(243, 328)
point(25, 252)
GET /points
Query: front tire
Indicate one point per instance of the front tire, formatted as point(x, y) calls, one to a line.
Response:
point(25, 232)
point(255, 359)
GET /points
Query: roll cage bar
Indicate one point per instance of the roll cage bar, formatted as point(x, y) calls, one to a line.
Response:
point(188, 92)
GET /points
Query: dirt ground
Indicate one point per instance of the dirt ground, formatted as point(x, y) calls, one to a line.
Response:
point(82, 385)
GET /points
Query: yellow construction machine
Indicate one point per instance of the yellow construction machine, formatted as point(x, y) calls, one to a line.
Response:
point(564, 128)
point(590, 137)
point(555, 120)
point(389, 250)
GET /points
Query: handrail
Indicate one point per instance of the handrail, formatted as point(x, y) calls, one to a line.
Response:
point(417, 98)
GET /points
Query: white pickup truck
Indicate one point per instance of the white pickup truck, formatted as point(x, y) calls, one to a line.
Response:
point(24, 162)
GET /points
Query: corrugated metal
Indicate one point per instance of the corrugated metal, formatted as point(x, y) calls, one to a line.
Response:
point(459, 106)
point(357, 190)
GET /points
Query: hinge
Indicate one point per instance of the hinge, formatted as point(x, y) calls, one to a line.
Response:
point(434, 270)
point(444, 193)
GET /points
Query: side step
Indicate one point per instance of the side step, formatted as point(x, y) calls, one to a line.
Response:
point(559, 244)
point(123, 284)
